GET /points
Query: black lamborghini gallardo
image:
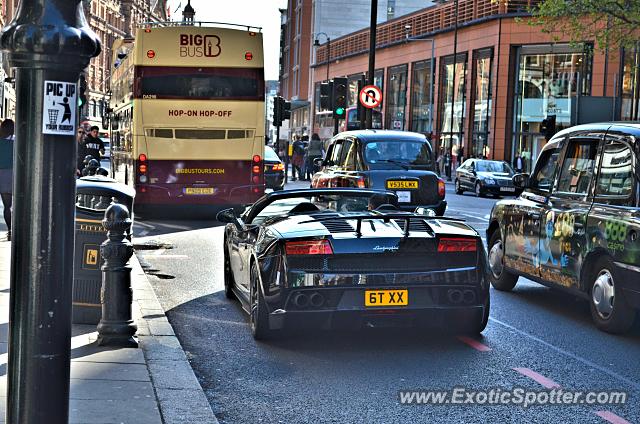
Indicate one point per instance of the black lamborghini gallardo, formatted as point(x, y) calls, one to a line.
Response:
point(342, 258)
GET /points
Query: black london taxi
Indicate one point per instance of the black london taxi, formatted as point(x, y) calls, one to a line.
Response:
point(577, 222)
point(398, 161)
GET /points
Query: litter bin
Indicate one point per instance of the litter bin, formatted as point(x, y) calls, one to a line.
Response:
point(94, 194)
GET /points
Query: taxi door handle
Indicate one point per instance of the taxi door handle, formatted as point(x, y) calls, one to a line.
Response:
point(535, 216)
point(578, 225)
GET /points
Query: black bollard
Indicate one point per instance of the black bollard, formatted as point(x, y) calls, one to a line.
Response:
point(48, 43)
point(116, 327)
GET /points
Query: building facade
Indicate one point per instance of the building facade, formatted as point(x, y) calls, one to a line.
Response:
point(303, 22)
point(8, 9)
point(490, 84)
point(112, 19)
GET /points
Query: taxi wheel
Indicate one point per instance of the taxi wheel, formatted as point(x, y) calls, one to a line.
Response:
point(258, 316)
point(228, 275)
point(609, 310)
point(459, 189)
point(500, 278)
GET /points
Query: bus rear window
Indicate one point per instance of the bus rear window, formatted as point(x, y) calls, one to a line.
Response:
point(199, 83)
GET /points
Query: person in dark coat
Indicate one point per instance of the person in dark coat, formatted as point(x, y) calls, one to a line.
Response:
point(314, 150)
point(93, 145)
point(6, 170)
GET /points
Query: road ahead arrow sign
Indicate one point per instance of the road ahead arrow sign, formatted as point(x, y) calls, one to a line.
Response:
point(370, 96)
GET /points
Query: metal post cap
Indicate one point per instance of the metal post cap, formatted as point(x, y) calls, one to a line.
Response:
point(116, 218)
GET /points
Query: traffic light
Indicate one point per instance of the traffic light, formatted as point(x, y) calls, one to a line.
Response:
point(339, 97)
point(281, 110)
point(326, 89)
point(82, 91)
point(548, 127)
point(286, 110)
point(277, 111)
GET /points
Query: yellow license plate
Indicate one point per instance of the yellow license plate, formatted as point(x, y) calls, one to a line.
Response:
point(199, 190)
point(402, 184)
point(386, 297)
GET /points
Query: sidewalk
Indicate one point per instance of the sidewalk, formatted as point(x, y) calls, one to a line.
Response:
point(150, 385)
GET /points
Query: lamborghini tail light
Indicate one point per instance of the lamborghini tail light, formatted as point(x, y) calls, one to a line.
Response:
point(309, 247)
point(457, 245)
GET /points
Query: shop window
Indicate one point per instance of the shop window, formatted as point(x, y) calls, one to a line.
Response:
point(547, 84)
point(482, 68)
point(452, 104)
point(396, 97)
point(421, 100)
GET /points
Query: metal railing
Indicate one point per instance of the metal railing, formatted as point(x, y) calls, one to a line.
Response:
point(160, 24)
point(423, 23)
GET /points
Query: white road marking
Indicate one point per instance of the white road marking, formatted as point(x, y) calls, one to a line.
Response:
point(587, 362)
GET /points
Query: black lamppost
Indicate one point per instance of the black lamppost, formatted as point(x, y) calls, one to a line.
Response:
point(49, 43)
point(449, 143)
point(316, 43)
point(372, 57)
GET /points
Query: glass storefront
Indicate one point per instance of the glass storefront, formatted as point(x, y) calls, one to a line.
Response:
point(479, 148)
point(421, 101)
point(630, 90)
point(453, 91)
point(547, 84)
point(396, 97)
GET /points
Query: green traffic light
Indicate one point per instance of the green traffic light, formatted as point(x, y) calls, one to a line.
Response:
point(340, 111)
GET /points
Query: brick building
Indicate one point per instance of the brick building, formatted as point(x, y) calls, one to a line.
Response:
point(305, 20)
point(112, 19)
point(491, 97)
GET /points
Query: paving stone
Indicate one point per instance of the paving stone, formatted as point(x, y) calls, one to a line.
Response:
point(185, 406)
point(172, 375)
point(130, 411)
point(109, 371)
point(108, 389)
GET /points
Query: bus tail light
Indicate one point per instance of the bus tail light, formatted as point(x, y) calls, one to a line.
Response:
point(441, 188)
point(256, 169)
point(143, 167)
point(256, 158)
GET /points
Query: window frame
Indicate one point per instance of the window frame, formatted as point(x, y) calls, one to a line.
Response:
point(554, 177)
point(619, 199)
point(564, 152)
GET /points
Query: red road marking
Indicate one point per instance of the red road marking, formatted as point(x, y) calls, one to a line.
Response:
point(474, 344)
point(539, 378)
point(611, 417)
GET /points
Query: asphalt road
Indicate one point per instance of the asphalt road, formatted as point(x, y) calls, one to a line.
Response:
point(536, 338)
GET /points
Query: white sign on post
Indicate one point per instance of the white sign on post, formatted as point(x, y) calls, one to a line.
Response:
point(59, 108)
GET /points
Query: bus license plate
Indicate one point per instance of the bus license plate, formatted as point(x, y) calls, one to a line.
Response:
point(402, 184)
point(199, 190)
point(386, 298)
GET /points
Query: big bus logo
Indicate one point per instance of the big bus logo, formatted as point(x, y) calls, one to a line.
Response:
point(196, 45)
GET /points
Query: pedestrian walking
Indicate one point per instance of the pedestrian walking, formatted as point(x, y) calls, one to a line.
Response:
point(80, 151)
point(440, 161)
point(6, 170)
point(297, 158)
point(93, 145)
point(314, 150)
